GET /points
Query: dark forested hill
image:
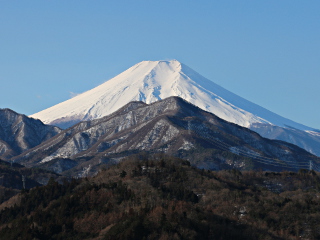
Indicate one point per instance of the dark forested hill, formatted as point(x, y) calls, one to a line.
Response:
point(165, 198)
point(12, 176)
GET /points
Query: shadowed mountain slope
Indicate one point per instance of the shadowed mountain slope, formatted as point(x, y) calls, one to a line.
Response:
point(19, 133)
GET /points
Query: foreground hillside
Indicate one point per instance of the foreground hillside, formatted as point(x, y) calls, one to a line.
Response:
point(166, 198)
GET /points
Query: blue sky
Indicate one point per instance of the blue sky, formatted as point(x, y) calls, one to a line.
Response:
point(265, 51)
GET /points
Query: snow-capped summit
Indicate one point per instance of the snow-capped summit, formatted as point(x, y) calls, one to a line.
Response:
point(149, 81)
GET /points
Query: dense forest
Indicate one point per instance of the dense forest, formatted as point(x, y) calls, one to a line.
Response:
point(160, 197)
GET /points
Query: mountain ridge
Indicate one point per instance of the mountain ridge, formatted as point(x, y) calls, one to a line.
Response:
point(171, 126)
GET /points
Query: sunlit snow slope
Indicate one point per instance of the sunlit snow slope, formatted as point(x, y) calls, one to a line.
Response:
point(149, 81)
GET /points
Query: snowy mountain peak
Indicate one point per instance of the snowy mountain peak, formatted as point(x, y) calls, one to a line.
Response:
point(150, 81)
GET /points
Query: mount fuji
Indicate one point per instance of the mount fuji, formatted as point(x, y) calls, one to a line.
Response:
point(150, 81)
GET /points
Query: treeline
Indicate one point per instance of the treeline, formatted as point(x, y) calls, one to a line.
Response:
point(160, 197)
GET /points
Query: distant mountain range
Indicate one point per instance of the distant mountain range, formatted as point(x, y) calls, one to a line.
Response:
point(150, 81)
point(171, 126)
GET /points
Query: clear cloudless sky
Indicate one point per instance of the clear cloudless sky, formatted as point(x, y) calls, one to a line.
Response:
point(265, 51)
